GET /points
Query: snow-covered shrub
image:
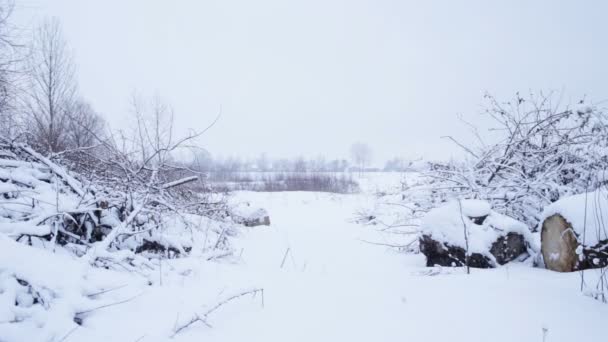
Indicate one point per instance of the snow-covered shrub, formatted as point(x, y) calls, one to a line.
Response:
point(540, 151)
point(544, 151)
point(469, 232)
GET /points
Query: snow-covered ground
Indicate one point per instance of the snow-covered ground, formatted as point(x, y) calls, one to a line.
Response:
point(322, 282)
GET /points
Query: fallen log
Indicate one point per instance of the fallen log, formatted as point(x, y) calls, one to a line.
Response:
point(469, 233)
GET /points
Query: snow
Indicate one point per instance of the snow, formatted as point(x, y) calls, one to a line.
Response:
point(15, 229)
point(475, 208)
point(19, 163)
point(59, 282)
point(587, 213)
point(447, 224)
point(321, 282)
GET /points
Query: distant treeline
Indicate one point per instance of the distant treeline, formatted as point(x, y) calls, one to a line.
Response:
point(203, 161)
point(335, 182)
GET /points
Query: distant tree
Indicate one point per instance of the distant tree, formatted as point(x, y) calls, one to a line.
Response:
point(334, 165)
point(202, 160)
point(52, 88)
point(262, 163)
point(282, 164)
point(396, 164)
point(361, 155)
point(319, 164)
point(84, 126)
point(300, 165)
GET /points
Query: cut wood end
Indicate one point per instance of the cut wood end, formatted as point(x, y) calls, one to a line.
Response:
point(559, 244)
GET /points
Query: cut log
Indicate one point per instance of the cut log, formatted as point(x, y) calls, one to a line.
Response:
point(492, 239)
point(562, 251)
point(508, 248)
point(574, 232)
point(504, 249)
point(179, 182)
point(559, 244)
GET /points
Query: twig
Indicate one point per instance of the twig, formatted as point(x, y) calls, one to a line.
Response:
point(466, 238)
point(106, 291)
point(203, 317)
point(109, 305)
point(285, 256)
point(69, 333)
point(389, 244)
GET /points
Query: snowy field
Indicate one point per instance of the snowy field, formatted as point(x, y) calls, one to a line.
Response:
point(190, 172)
point(322, 282)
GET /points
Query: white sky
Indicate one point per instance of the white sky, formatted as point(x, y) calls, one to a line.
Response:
point(311, 77)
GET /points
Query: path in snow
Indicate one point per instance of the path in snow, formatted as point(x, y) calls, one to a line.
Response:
point(337, 288)
point(333, 287)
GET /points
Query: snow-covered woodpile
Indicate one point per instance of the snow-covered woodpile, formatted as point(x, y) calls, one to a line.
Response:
point(65, 242)
point(469, 232)
point(574, 232)
point(41, 202)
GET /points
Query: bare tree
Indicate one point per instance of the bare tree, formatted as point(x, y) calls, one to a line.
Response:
point(52, 88)
point(11, 56)
point(84, 126)
point(361, 155)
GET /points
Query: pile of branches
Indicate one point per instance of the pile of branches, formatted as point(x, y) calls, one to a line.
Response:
point(146, 211)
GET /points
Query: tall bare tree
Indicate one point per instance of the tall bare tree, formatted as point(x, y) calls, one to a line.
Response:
point(52, 89)
point(11, 56)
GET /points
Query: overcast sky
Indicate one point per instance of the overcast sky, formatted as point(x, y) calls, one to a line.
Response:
point(312, 77)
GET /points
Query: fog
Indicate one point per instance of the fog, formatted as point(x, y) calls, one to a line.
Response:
point(312, 77)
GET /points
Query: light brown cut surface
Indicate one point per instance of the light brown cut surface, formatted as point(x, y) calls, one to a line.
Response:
point(558, 244)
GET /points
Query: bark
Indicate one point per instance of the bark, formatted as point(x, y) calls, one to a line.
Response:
point(503, 250)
